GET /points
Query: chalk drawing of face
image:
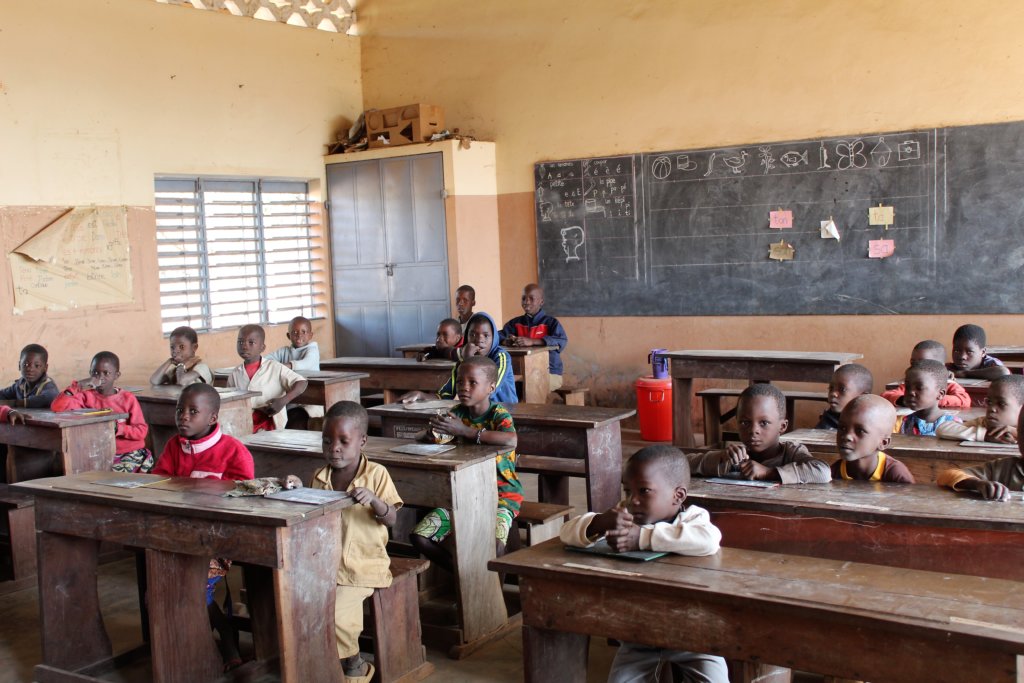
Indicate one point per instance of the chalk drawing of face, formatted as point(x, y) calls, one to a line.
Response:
point(572, 239)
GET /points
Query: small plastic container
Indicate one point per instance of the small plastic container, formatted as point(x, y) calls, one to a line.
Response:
point(659, 364)
point(654, 408)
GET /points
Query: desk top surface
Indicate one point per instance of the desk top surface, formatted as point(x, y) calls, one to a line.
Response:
point(1005, 350)
point(513, 350)
point(181, 497)
point(552, 414)
point(301, 442)
point(39, 417)
point(824, 440)
point(170, 393)
point(321, 376)
point(969, 383)
point(864, 502)
point(835, 357)
point(385, 363)
point(990, 608)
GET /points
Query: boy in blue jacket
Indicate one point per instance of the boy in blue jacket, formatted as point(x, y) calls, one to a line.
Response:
point(537, 328)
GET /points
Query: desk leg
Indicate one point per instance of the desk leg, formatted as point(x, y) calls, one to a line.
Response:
point(73, 633)
point(712, 420)
point(554, 656)
point(179, 626)
point(88, 448)
point(474, 502)
point(341, 391)
point(304, 596)
point(604, 466)
point(536, 378)
point(235, 418)
point(682, 412)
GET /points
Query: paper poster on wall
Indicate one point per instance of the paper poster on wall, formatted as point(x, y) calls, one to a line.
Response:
point(881, 248)
point(80, 259)
point(779, 220)
point(781, 251)
point(881, 215)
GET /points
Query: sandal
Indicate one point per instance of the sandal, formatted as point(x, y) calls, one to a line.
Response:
point(365, 678)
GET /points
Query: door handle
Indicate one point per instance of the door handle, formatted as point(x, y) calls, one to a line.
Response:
point(390, 268)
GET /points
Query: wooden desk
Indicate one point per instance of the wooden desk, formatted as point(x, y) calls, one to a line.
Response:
point(1005, 353)
point(897, 525)
point(160, 403)
point(810, 614)
point(530, 365)
point(395, 376)
point(755, 366)
point(323, 387)
point(925, 456)
point(463, 480)
point(290, 551)
point(81, 442)
point(554, 440)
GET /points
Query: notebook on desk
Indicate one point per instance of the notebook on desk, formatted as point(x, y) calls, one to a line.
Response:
point(602, 548)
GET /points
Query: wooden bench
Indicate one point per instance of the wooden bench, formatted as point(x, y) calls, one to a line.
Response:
point(937, 627)
point(541, 521)
point(398, 652)
point(714, 418)
point(573, 396)
point(17, 539)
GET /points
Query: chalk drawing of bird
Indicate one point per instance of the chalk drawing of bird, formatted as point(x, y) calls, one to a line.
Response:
point(736, 163)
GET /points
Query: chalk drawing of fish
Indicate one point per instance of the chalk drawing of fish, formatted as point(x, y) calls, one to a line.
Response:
point(793, 159)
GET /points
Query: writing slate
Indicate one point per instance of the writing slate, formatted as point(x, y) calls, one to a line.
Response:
point(687, 232)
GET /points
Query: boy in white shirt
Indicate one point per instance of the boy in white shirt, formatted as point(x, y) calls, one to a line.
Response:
point(652, 517)
point(302, 355)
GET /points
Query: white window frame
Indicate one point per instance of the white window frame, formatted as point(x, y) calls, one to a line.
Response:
point(276, 242)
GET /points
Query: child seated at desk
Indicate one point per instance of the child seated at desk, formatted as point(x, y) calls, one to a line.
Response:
point(865, 430)
point(481, 341)
point(465, 300)
point(956, 397)
point(34, 389)
point(999, 423)
point(537, 328)
point(303, 354)
point(992, 481)
point(969, 355)
point(99, 392)
point(652, 517)
point(761, 419)
point(184, 367)
point(847, 383)
point(278, 384)
point(478, 418)
point(202, 451)
point(925, 381)
point(364, 527)
point(447, 341)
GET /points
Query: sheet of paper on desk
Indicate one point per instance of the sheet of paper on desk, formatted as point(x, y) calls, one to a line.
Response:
point(743, 482)
point(602, 548)
point(132, 481)
point(991, 445)
point(308, 496)
point(423, 448)
point(431, 405)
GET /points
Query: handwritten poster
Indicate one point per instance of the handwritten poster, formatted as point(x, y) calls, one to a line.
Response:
point(779, 220)
point(79, 259)
point(881, 248)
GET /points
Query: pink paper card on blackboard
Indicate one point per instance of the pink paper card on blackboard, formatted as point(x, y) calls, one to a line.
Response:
point(780, 219)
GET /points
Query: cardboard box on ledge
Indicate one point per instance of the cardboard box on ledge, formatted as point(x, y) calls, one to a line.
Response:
point(403, 125)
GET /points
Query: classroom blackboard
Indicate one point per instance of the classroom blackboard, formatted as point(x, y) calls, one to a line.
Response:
point(688, 232)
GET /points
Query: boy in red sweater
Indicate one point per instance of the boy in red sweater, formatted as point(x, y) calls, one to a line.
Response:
point(201, 450)
point(99, 392)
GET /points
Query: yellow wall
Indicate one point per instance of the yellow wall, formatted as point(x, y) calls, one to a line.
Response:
point(98, 97)
point(560, 80)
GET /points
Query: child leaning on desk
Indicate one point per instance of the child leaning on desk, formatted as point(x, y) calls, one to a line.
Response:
point(34, 389)
point(999, 423)
point(202, 451)
point(652, 517)
point(761, 418)
point(865, 430)
point(925, 381)
point(301, 355)
point(482, 420)
point(99, 391)
point(992, 481)
point(956, 396)
point(970, 355)
point(184, 367)
point(364, 527)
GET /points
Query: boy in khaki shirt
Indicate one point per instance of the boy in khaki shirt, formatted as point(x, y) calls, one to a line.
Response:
point(364, 528)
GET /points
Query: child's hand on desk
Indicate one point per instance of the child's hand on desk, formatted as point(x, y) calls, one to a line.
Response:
point(14, 417)
point(292, 481)
point(989, 490)
point(624, 538)
point(1002, 434)
point(449, 424)
point(751, 469)
point(275, 406)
